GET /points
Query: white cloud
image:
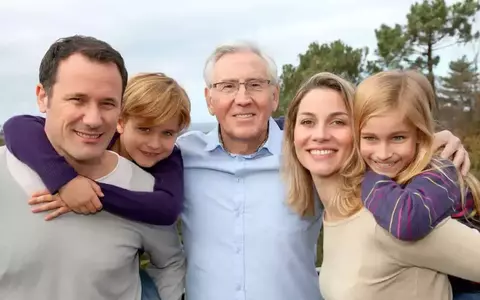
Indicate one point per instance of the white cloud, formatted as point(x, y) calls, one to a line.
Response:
point(176, 37)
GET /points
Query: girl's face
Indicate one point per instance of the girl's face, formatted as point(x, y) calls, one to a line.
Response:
point(148, 145)
point(323, 134)
point(388, 143)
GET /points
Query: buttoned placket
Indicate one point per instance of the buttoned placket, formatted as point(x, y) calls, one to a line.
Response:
point(239, 231)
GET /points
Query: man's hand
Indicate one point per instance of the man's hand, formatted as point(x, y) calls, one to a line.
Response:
point(46, 202)
point(453, 149)
point(81, 195)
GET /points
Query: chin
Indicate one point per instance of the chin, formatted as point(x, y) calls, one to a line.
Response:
point(392, 174)
point(324, 172)
point(87, 156)
point(245, 134)
point(321, 174)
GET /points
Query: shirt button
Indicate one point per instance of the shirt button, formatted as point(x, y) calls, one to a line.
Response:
point(238, 249)
point(239, 287)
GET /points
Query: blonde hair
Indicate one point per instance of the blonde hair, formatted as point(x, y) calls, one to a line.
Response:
point(298, 179)
point(411, 96)
point(155, 98)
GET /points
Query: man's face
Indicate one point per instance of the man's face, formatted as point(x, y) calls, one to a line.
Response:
point(242, 114)
point(83, 107)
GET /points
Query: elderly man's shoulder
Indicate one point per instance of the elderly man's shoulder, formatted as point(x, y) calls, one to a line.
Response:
point(194, 139)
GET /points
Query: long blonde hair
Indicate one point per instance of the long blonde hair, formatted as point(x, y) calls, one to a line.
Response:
point(410, 94)
point(299, 181)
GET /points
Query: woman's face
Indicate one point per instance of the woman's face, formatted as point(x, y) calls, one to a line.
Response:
point(323, 135)
point(148, 145)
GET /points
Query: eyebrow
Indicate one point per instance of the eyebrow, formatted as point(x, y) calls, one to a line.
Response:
point(400, 132)
point(334, 114)
point(82, 95)
point(78, 95)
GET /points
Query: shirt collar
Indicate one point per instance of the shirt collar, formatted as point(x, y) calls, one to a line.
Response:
point(273, 144)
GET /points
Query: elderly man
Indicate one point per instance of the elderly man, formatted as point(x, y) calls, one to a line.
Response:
point(241, 239)
point(82, 80)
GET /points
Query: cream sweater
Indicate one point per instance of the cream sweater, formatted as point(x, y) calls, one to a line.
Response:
point(363, 261)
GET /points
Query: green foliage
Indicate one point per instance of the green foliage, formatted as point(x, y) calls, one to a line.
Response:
point(461, 84)
point(392, 48)
point(472, 144)
point(433, 25)
point(335, 57)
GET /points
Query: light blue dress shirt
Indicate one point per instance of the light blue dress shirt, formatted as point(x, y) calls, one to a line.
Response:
point(241, 239)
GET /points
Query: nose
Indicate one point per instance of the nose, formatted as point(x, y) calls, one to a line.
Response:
point(92, 116)
point(320, 133)
point(383, 152)
point(155, 143)
point(241, 97)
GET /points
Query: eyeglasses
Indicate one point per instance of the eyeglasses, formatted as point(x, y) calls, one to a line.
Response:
point(252, 85)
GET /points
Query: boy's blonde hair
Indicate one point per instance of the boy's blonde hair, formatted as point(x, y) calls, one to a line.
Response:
point(155, 98)
point(411, 96)
point(299, 180)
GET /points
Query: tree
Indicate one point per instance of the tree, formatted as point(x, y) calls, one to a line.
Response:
point(457, 94)
point(393, 50)
point(335, 57)
point(433, 25)
point(459, 88)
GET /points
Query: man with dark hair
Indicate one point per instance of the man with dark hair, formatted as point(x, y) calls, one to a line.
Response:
point(79, 257)
point(89, 47)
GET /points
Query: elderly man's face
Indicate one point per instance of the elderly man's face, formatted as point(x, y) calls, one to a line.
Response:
point(242, 97)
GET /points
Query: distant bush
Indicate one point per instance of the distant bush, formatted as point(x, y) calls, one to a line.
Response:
point(472, 143)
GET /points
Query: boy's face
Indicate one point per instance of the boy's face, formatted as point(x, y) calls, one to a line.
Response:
point(148, 145)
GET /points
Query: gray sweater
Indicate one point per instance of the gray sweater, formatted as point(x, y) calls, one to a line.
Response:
point(78, 257)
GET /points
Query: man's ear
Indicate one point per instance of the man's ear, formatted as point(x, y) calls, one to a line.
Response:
point(208, 99)
point(121, 126)
point(42, 98)
point(276, 97)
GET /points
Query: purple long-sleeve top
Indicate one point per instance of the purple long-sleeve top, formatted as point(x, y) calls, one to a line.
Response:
point(25, 137)
point(410, 212)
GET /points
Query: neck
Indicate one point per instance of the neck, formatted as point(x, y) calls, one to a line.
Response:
point(91, 168)
point(118, 147)
point(327, 189)
point(94, 168)
point(243, 147)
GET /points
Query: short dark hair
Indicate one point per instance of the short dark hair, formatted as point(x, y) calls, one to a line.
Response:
point(90, 47)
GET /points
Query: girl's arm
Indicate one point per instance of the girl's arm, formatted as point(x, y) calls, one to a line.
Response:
point(410, 212)
point(161, 207)
point(451, 248)
point(25, 138)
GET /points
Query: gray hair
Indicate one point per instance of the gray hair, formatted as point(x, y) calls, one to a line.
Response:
point(235, 47)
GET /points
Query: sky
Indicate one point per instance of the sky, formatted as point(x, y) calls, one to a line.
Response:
point(176, 37)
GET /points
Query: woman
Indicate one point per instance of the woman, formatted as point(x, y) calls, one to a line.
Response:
point(361, 259)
